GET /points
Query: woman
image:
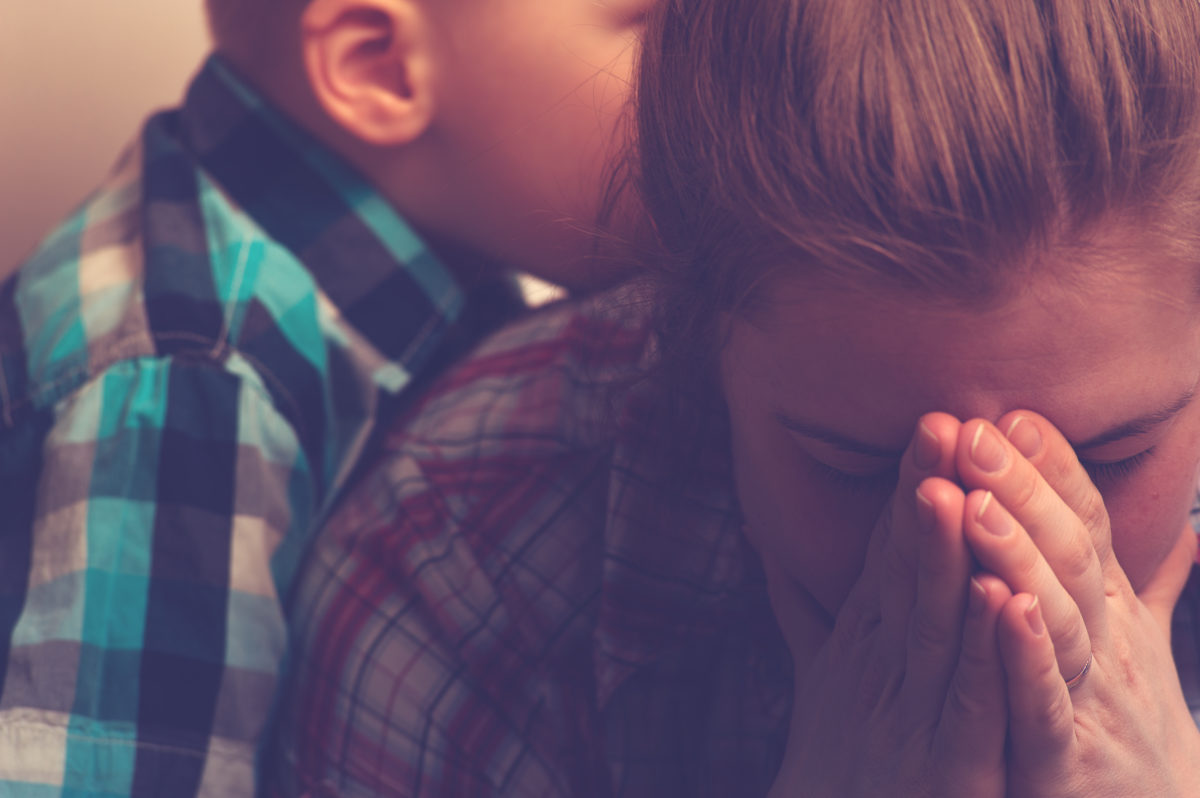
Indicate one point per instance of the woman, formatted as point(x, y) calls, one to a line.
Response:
point(881, 488)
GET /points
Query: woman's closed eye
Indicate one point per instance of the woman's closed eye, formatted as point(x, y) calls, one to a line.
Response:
point(879, 479)
point(882, 476)
point(843, 464)
point(1103, 473)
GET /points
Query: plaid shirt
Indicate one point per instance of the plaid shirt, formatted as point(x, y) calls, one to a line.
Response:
point(189, 367)
point(511, 605)
point(525, 598)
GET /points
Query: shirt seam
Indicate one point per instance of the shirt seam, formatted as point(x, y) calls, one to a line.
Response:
point(133, 743)
point(208, 349)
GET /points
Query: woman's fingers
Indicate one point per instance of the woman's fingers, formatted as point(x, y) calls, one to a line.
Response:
point(931, 453)
point(1052, 455)
point(971, 734)
point(989, 462)
point(936, 622)
point(1003, 546)
point(1041, 716)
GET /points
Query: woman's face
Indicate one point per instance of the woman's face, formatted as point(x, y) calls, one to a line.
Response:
point(825, 389)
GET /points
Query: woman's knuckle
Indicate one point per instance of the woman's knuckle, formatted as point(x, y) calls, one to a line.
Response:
point(1046, 671)
point(1043, 715)
point(1092, 511)
point(976, 660)
point(1052, 714)
point(1025, 492)
point(878, 682)
point(1056, 716)
point(898, 569)
point(854, 622)
point(926, 633)
point(964, 700)
point(1075, 637)
point(1077, 562)
point(1027, 564)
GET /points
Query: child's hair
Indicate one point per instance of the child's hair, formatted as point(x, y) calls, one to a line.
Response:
point(925, 145)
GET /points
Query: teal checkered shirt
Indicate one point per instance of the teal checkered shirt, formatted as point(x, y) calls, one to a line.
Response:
point(190, 367)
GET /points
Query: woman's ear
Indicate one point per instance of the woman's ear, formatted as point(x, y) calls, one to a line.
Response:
point(370, 64)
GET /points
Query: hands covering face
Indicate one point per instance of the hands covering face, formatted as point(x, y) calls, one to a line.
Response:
point(1034, 520)
point(930, 668)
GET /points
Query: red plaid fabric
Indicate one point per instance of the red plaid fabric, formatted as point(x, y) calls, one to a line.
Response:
point(530, 596)
point(508, 606)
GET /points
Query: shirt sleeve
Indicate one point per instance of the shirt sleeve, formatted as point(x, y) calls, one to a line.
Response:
point(143, 642)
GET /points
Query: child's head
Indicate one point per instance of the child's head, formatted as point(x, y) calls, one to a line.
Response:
point(489, 123)
point(879, 208)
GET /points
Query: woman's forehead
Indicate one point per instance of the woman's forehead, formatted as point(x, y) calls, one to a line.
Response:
point(1084, 354)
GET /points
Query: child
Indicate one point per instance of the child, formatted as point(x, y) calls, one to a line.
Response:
point(888, 494)
point(192, 364)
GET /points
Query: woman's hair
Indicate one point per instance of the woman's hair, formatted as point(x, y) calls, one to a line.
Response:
point(925, 145)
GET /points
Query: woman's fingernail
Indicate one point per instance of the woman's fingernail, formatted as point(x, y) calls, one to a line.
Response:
point(992, 517)
point(977, 598)
point(926, 451)
point(1024, 436)
point(987, 450)
point(1033, 617)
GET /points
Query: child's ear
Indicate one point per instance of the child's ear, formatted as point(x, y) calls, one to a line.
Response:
point(370, 64)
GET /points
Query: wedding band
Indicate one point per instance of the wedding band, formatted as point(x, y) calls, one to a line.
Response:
point(1087, 666)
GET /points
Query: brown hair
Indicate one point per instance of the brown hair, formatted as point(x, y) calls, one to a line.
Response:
point(929, 145)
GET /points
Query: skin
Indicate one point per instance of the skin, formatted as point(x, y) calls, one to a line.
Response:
point(1072, 360)
point(533, 97)
point(906, 695)
point(869, 367)
point(1124, 727)
point(490, 126)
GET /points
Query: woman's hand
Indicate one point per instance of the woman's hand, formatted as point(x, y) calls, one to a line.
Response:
point(1036, 521)
point(906, 696)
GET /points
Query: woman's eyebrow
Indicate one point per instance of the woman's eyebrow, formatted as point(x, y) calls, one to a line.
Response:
point(836, 439)
point(1127, 429)
point(1140, 425)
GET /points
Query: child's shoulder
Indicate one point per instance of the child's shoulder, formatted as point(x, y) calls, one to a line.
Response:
point(74, 306)
point(136, 273)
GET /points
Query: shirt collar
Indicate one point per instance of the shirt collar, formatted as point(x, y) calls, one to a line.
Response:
point(366, 259)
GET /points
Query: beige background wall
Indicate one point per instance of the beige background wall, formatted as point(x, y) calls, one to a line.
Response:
point(77, 77)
